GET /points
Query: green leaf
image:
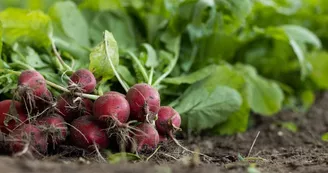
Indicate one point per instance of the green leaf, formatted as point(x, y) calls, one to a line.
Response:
point(302, 35)
point(192, 77)
point(126, 74)
point(252, 169)
point(0, 40)
point(319, 62)
point(201, 109)
point(29, 56)
point(240, 9)
point(151, 56)
point(226, 75)
point(117, 22)
point(122, 156)
point(8, 82)
point(286, 7)
point(305, 70)
point(101, 5)
point(264, 96)
point(308, 98)
point(203, 19)
point(236, 122)
point(100, 65)
point(291, 126)
point(30, 27)
point(218, 46)
point(71, 21)
point(68, 45)
point(324, 137)
point(297, 37)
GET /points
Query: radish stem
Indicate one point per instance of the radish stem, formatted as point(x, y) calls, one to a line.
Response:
point(89, 96)
point(150, 81)
point(171, 67)
point(140, 66)
point(68, 68)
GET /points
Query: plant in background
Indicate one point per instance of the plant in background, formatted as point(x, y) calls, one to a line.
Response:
point(214, 61)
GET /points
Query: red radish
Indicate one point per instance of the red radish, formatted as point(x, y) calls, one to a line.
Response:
point(87, 133)
point(55, 127)
point(84, 79)
point(112, 107)
point(32, 88)
point(112, 92)
point(26, 75)
point(12, 113)
point(28, 138)
point(144, 102)
point(37, 86)
point(146, 137)
point(70, 107)
point(168, 120)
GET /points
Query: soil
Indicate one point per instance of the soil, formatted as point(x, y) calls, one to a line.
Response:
point(276, 149)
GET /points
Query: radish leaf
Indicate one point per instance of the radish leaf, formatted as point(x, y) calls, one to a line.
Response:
point(201, 109)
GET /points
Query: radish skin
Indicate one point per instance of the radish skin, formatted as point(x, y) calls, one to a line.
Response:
point(70, 110)
point(55, 128)
point(84, 79)
point(88, 134)
point(112, 107)
point(168, 120)
point(7, 114)
point(146, 138)
point(29, 136)
point(144, 102)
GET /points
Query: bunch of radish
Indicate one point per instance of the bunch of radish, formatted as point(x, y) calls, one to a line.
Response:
point(34, 121)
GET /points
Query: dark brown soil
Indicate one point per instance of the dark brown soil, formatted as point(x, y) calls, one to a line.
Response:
point(276, 149)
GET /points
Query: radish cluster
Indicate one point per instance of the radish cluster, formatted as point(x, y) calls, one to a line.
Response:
point(35, 121)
